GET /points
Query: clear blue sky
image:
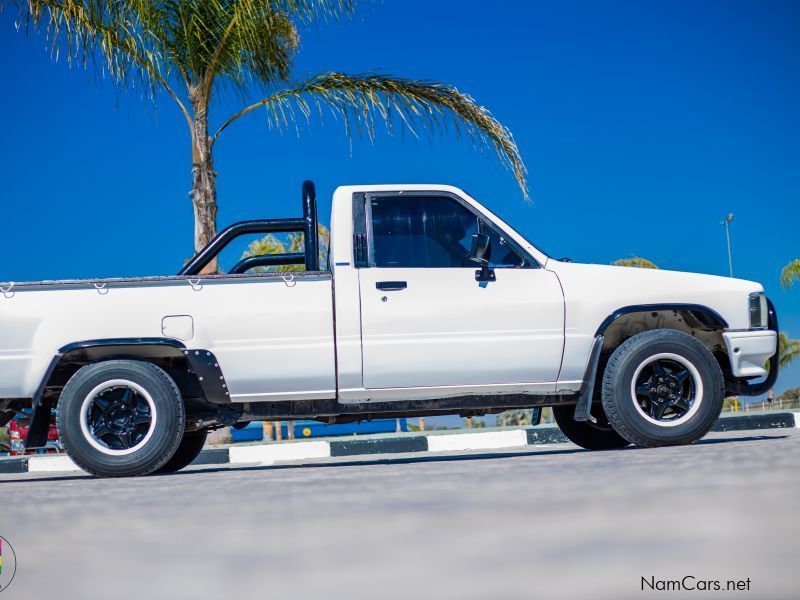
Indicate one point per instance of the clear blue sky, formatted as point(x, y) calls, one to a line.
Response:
point(642, 125)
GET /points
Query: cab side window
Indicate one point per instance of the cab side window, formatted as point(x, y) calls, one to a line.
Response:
point(421, 232)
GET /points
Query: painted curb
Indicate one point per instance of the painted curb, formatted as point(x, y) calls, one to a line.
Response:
point(765, 421)
point(490, 440)
point(50, 464)
point(546, 435)
point(417, 443)
point(269, 454)
point(14, 465)
point(213, 456)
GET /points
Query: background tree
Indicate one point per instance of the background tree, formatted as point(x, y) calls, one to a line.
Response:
point(634, 261)
point(788, 350)
point(790, 398)
point(790, 273)
point(291, 243)
point(193, 50)
point(474, 423)
point(519, 417)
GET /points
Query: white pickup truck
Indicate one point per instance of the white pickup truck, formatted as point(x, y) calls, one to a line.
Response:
point(429, 304)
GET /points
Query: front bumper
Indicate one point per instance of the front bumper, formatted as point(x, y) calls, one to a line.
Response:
point(749, 350)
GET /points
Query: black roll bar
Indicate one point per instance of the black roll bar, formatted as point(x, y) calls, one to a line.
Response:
point(307, 225)
point(267, 260)
point(311, 233)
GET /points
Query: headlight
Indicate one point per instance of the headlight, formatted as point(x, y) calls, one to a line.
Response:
point(758, 310)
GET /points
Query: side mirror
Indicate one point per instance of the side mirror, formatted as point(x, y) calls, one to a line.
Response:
point(481, 253)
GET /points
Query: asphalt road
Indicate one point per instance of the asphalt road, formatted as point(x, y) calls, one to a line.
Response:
point(555, 522)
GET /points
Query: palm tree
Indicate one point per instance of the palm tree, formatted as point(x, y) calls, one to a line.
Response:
point(790, 273)
point(788, 350)
point(634, 261)
point(194, 50)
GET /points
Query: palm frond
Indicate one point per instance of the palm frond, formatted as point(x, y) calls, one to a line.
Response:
point(367, 100)
point(790, 273)
point(123, 39)
point(634, 261)
point(308, 11)
point(788, 350)
point(92, 31)
point(244, 40)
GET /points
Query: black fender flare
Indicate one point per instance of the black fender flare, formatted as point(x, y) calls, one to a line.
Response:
point(705, 315)
point(202, 365)
point(713, 320)
point(94, 350)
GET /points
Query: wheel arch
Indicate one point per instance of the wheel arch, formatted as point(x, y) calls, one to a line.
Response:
point(196, 373)
point(66, 362)
point(697, 320)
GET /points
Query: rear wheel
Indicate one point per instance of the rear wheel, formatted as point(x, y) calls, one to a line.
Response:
point(120, 418)
point(190, 447)
point(594, 434)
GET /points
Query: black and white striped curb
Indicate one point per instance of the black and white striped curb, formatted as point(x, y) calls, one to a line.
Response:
point(294, 451)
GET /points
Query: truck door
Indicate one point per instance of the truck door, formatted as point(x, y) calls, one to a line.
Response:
point(427, 322)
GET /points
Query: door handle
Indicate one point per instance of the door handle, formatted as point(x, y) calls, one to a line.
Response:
point(391, 285)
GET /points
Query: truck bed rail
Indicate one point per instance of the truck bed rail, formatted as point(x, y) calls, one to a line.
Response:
point(8, 289)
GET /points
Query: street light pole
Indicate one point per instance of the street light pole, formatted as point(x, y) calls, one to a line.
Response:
point(727, 223)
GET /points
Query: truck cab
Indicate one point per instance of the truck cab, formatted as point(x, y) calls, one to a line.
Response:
point(418, 320)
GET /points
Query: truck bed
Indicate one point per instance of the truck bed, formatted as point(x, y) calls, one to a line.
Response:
point(275, 327)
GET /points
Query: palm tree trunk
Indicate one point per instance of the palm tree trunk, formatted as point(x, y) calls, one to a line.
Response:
point(204, 185)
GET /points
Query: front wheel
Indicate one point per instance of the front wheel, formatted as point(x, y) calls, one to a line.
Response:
point(120, 418)
point(662, 388)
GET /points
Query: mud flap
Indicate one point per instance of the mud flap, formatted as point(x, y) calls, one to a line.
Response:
point(584, 406)
point(39, 427)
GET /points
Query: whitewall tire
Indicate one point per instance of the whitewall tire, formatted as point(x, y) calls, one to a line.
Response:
point(120, 418)
point(662, 387)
